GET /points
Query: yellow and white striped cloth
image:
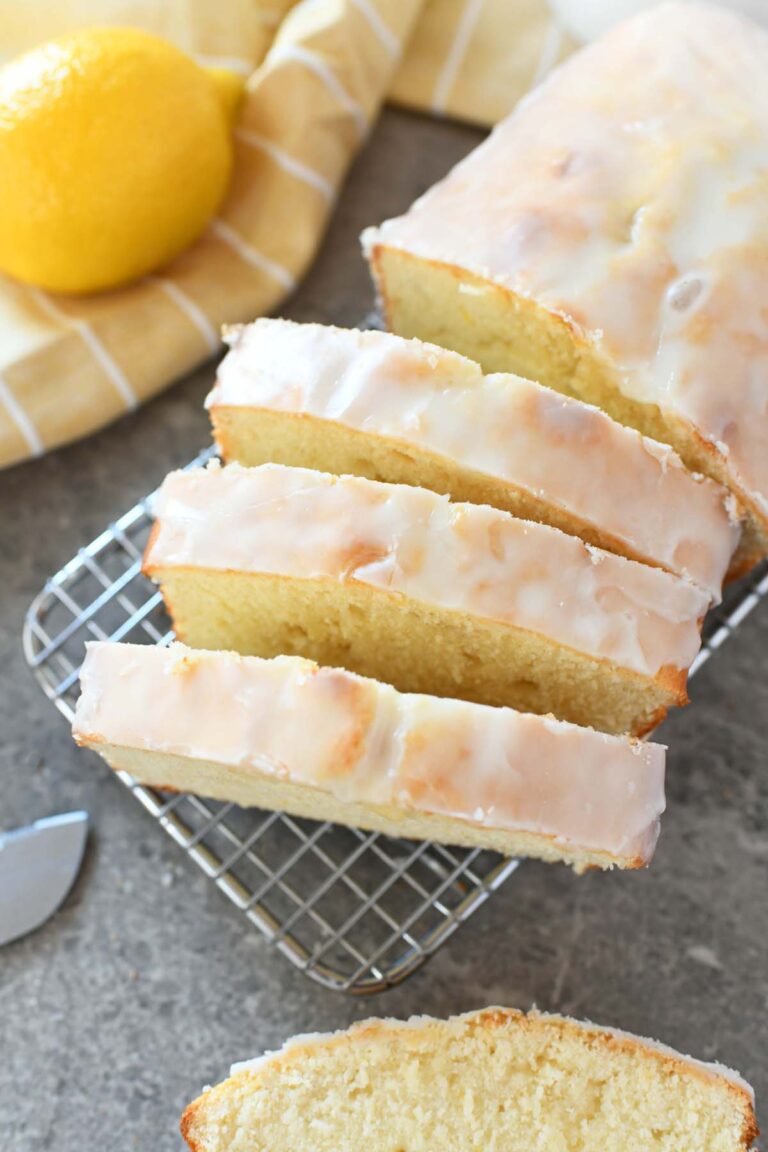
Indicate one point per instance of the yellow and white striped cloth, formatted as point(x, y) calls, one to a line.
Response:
point(318, 71)
point(474, 59)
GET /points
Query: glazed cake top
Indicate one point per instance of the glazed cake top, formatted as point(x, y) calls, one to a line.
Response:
point(366, 743)
point(561, 451)
point(409, 541)
point(629, 194)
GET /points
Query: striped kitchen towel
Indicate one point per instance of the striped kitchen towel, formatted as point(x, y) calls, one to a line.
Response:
point(69, 365)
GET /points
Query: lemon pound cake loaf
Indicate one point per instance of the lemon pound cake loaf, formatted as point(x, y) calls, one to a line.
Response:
point(610, 239)
point(376, 405)
point(320, 742)
point(496, 1080)
point(398, 583)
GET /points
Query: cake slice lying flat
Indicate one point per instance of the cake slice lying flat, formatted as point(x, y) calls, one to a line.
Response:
point(320, 742)
point(611, 239)
point(397, 583)
point(496, 1081)
point(376, 405)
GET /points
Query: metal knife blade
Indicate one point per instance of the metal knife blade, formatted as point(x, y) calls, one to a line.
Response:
point(38, 866)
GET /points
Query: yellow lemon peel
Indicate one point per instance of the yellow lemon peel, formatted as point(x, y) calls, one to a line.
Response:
point(115, 152)
point(231, 86)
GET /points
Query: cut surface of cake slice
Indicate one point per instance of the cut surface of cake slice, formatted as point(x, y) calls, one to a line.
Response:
point(374, 404)
point(398, 583)
point(496, 1080)
point(610, 239)
point(323, 743)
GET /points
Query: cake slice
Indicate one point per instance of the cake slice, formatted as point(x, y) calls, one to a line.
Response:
point(398, 583)
point(610, 239)
point(376, 405)
point(496, 1081)
point(323, 743)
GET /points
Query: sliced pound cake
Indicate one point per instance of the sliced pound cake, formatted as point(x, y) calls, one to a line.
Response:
point(610, 239)
point(377, 405)
point(496, 1081)
point(398, 583)
point(323, 743)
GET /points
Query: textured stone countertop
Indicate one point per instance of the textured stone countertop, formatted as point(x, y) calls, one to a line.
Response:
point(148, 983)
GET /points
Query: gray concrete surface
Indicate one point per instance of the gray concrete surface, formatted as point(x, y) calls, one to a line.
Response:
point(147, 984)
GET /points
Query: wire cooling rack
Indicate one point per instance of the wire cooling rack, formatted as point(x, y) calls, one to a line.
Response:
point(357, 911)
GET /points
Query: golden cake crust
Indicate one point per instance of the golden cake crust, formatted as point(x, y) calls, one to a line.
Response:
point(421, 1032)
point(623, 211)
point(324, 743)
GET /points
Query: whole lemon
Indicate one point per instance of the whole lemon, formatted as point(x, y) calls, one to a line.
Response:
point(115, 152)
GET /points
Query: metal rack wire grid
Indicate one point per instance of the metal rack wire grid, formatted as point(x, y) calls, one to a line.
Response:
point(356, 911)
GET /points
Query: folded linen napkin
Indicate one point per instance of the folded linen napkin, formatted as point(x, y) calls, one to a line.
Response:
point(69, 365)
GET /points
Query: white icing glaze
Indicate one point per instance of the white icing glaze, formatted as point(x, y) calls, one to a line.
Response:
point(366, 743)
point(629, 193)
point(587, 19)
point(711, 1069)
point(410, 541)
point(563, 452)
